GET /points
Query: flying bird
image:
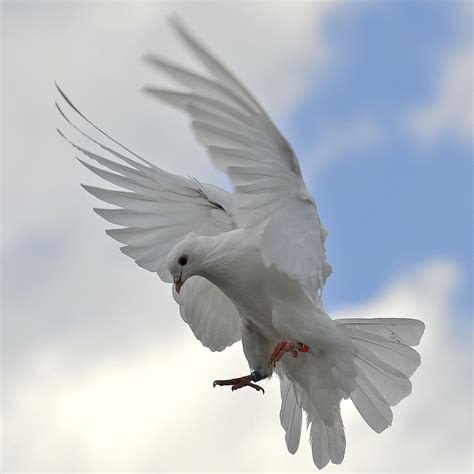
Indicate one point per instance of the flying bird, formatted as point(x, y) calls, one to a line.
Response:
point(250, 265)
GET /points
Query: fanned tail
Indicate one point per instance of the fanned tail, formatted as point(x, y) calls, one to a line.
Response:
point(385, 361)
point(371, 364)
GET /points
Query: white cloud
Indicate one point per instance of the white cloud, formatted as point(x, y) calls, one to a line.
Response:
point(152, 407)
point(449, 112)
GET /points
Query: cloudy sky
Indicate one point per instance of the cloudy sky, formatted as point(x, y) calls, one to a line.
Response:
point(99, 373)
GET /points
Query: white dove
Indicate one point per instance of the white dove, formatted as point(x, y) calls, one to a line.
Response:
point(251, 265)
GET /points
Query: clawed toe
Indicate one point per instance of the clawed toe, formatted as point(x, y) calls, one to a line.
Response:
point(248, 384)
point(246, 381)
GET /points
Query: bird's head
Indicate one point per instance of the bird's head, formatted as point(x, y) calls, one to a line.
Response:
point(183, 260)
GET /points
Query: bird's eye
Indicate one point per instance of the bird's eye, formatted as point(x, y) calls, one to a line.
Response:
point(183, 260)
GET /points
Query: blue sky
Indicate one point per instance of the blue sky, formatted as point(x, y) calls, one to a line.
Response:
point(397, 203)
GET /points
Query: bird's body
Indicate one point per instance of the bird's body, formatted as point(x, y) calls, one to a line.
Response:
point(233, 262)
point(251, 265)
point(340, 362)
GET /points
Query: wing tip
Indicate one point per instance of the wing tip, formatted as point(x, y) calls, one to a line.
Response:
point(149, 90)
point(177, 24)
point(82, 162)
point(94, 190)
point(149, 57)
point(58, 88)
point(175, 21)
point(100, 212)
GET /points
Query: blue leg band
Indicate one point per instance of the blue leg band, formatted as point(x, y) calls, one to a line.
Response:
point(257, 375)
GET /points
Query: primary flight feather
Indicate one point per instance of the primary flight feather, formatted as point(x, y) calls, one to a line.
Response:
point(251, 265)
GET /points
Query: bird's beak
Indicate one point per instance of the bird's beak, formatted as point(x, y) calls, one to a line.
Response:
point(178, 283)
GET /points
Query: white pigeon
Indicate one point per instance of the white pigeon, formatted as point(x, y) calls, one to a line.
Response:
point(250, 265)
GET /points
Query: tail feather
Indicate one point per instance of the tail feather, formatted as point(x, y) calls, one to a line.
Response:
point(401, 357)
point(385, 361)
point(328, 441)
point(371, 364)
point(391, 383)
point(371, 404)
point(402, 330)
point(319, 444)
point(290, 415)
point(336, 441)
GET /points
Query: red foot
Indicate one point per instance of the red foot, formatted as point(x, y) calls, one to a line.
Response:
point(240, 382)
point(286, 346)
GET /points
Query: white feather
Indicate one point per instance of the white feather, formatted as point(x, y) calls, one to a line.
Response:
point(290, 414)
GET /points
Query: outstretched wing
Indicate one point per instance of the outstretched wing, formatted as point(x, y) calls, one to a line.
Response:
point(156, 210)
point(243, 142)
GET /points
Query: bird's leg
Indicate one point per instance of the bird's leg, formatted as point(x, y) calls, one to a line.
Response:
point(245, 381)
point(286, 346)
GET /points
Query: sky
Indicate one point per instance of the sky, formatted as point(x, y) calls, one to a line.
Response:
point(99, 373)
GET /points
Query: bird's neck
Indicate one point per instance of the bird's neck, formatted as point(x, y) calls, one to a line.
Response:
point(226, 260)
